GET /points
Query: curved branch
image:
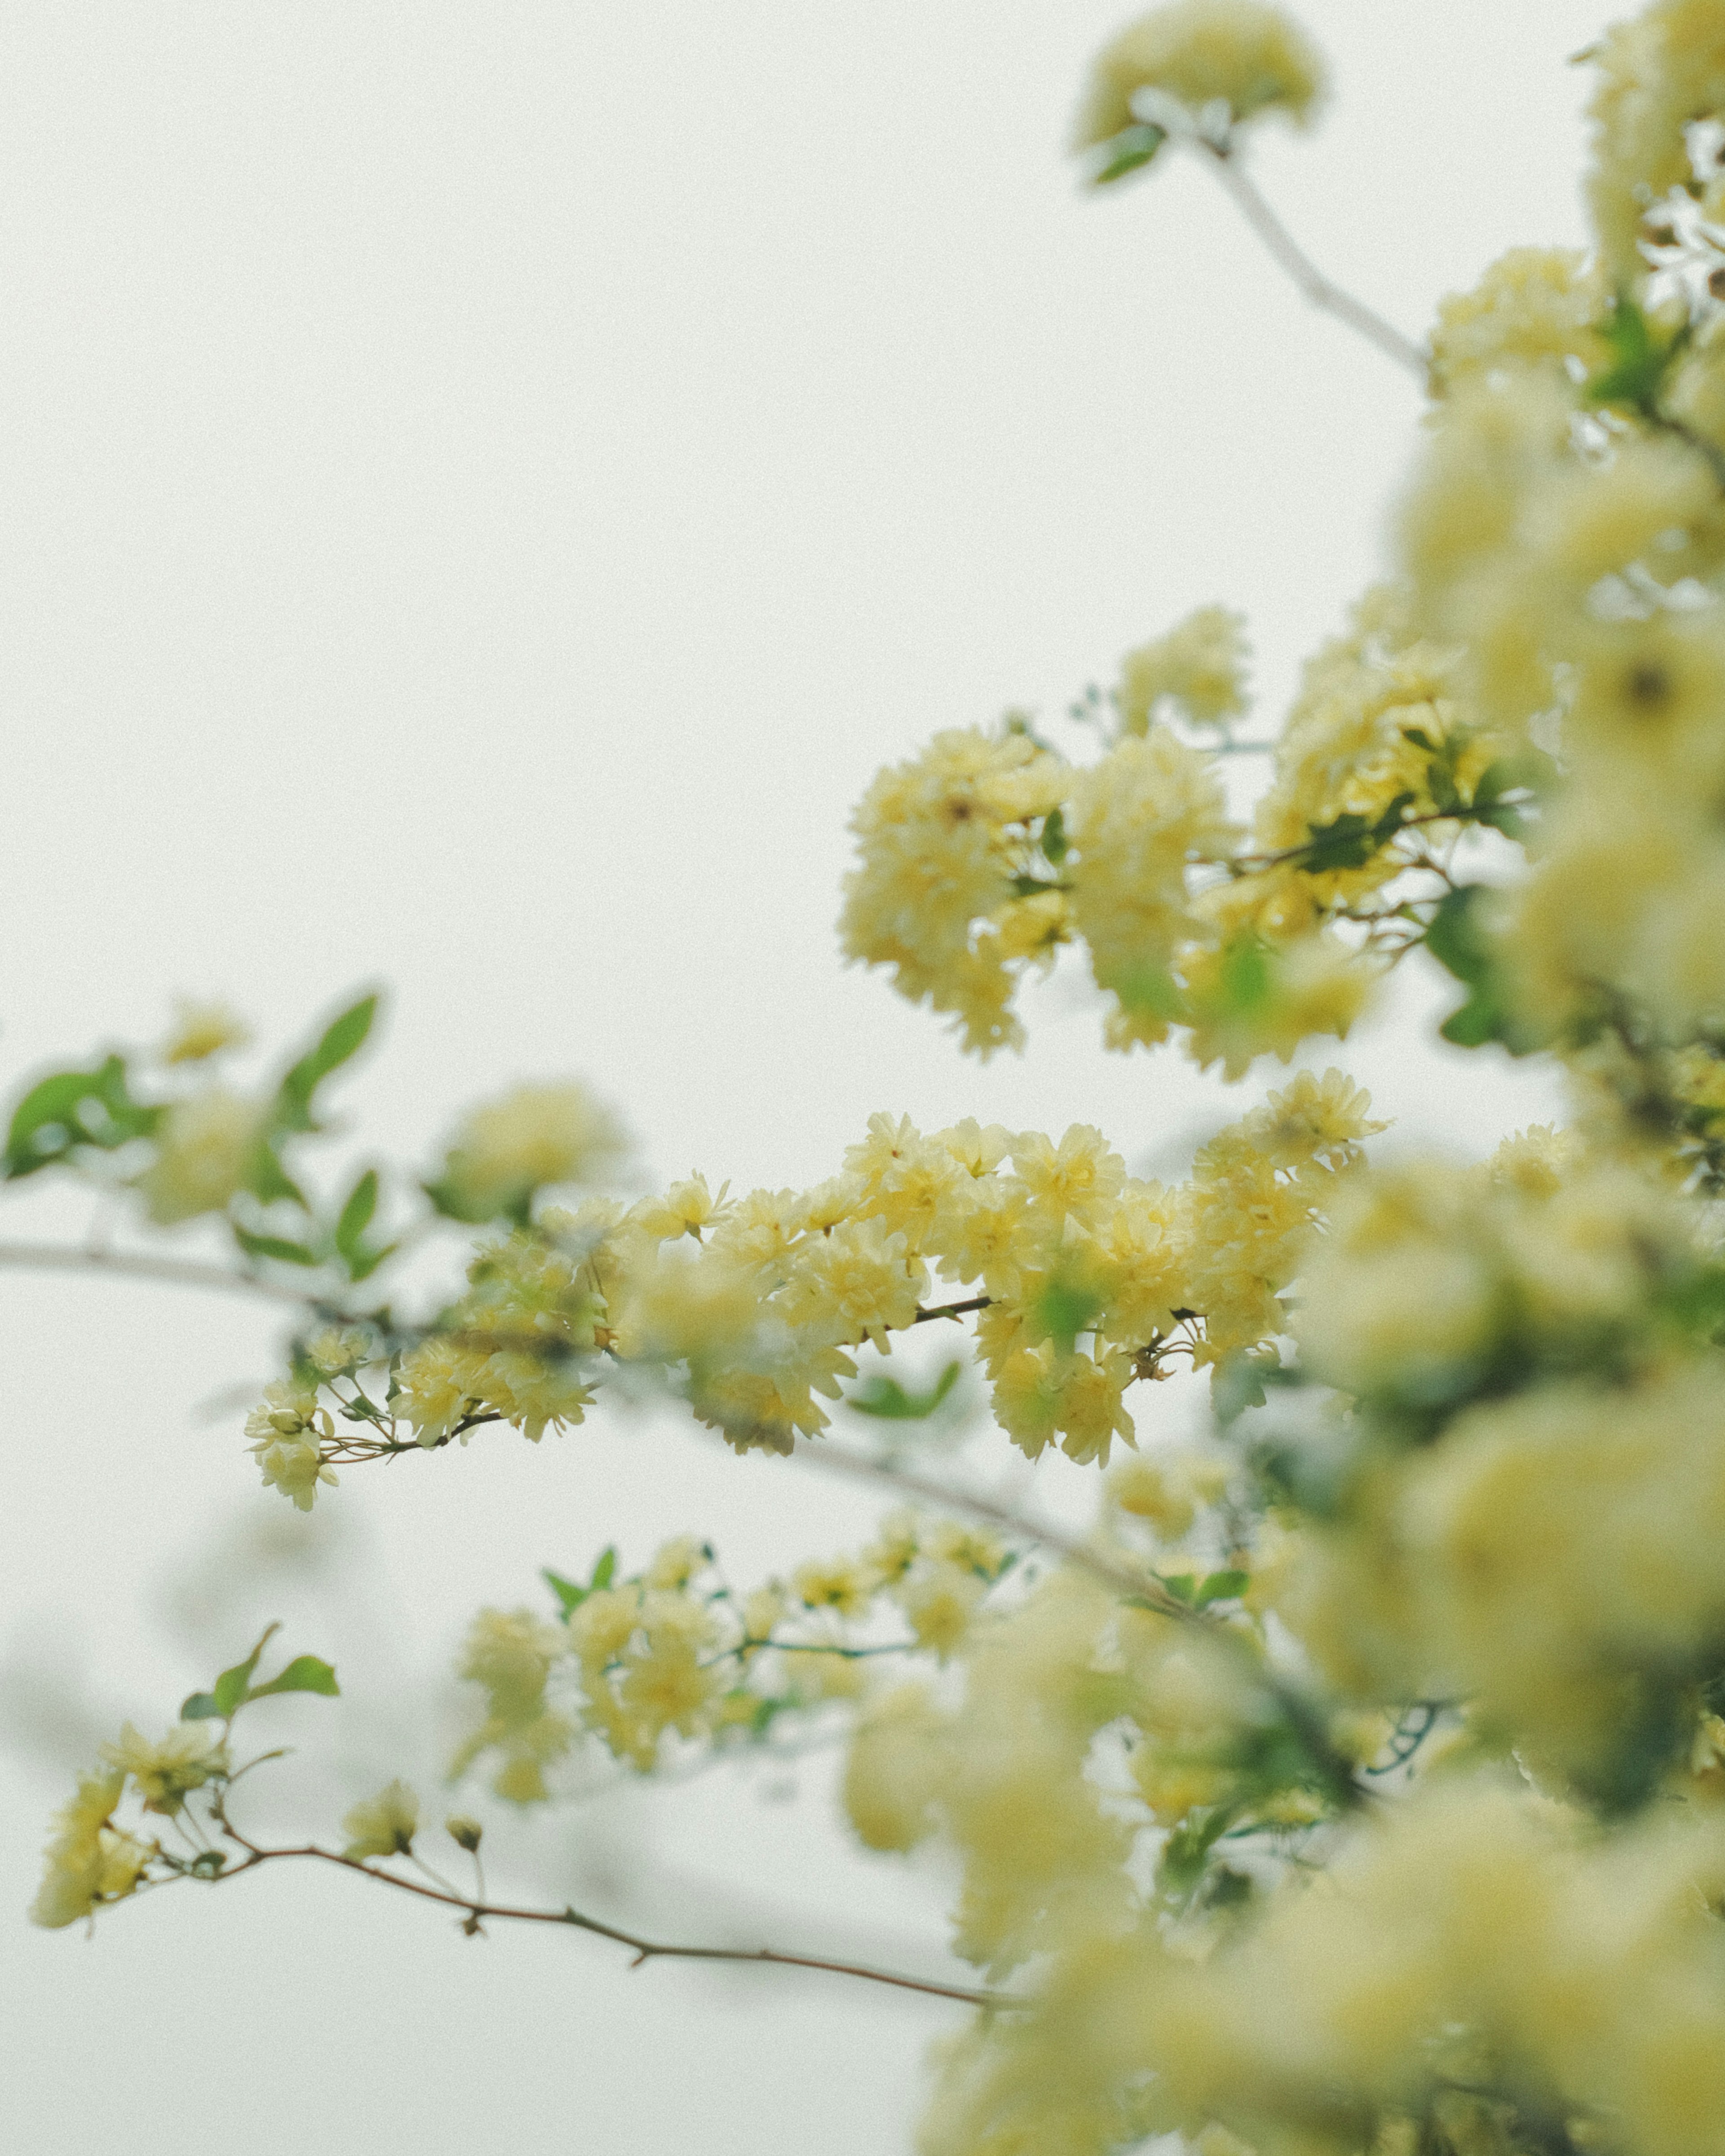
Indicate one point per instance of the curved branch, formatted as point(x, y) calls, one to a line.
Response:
point(1291, 257)
point(643, 1950)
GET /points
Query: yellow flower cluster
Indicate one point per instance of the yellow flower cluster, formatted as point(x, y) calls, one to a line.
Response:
point(90, 1861)
point(1470, 1956)
point(1240, 55)
point(754, 1303)
point(675, 1652)
point(939, 895)
point(1658, 73)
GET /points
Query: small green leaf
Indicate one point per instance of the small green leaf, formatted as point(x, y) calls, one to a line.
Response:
point(364, 1263)
point(273, 1246)
point(1344, 843)
point(1055, 845)
point(1220, 1587)
point(567, 1592)
point(1187, 1850)
point(268, 1180)
point(1066, 1309)
point(1392, 820)
point(357, 1212)
point(1147, 987)
point(73, 1108)
point(886, 1399)
point(605, 1571)
point(1244, 978)
point(1240, 1380)
point(447, 1198)
point(1640, 360)
point(200, 1707)
point(343, 1038)
point(1030, 886)
point(1129, 152)
point(304, 1673)
point(1419, 738)
point(1182, 1585)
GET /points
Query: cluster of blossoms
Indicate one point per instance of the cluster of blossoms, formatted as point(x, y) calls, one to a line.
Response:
point(676, 1651)
point(1358, 1784)
point(1086, 1280)
point(980, 859)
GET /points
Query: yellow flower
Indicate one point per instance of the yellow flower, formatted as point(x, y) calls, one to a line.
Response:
point(190, 1754)
point(939, 1598)
point(384, 1825)
point(201, 1030)
point(1534, 307)
point(88, 1861)
point(893, 1771)
point(203, 1154)
point(535, 1136)
point(845, 1584)
point(437, 1382)
point(1251, 58)
point(1198, 666)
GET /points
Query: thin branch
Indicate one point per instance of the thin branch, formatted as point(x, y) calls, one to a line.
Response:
point(1142, 1587)
point(1291, 257)
point(140, 1264)
point(1124, 1579)
point(952, 1309)
point(476, 1911)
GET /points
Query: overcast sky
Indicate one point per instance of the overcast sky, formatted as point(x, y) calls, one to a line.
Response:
point(482, 488)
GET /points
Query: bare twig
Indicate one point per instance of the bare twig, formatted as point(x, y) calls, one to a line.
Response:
point(1291, 257)
point(142, 1264)
point(477, 1910)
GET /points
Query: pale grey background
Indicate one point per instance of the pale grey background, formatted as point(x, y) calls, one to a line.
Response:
point(483, 488)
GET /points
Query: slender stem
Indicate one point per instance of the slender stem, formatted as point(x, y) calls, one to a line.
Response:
point(643, 1950)
point(1291, 257)
point(1123, 1578)
point(1141, 1586)
point(142, 1265)
point(952, 1309)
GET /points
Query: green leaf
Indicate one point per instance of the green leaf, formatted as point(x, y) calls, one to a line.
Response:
point(274, 1246)
point(1640, 359)
point(1344, 843)
point(365, 1263)
point(1129, 152)
point(447, 1198)
point(1419, 738)
point(73, 1108)
point(605, 1571)
point(1392, 820)
point(1187, 1850)
point(885, 1397)
point(343, 1039)
point(1066, 1310)
point(1030, 886)
point(567, 1592)
point(268, 1180)
point(1220, 1587)
point(1055, 845)
point(1459, 942)
point(357, 1214)
point(228, 1692)
point(1147, 987)
point(199, 1707)
point(304, 1673)
point(1245, 977)
point(1182, 1585)
point(1240, 1380)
